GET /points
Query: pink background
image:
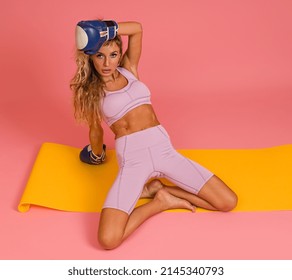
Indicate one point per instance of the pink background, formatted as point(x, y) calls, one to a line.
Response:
point(221, 77)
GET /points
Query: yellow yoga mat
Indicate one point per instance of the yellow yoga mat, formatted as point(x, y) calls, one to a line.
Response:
point(262, 178)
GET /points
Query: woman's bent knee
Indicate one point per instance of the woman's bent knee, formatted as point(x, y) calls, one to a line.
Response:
point(112, 224)
point(217, 193)
point(229, 203)
point(109, 241)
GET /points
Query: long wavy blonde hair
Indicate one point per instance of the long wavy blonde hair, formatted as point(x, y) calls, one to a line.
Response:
point(88, 87)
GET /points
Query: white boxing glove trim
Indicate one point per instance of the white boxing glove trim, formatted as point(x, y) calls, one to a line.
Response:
point(89, 149)
point(81, 38)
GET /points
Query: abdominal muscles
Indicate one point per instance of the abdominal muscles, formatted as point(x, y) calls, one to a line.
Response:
point(138, 119)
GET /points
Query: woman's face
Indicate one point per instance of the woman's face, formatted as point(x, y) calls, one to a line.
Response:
point(106, 60)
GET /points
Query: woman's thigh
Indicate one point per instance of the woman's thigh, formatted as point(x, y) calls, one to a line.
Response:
point(218, 194)
point(129, 183)
point(183, 172)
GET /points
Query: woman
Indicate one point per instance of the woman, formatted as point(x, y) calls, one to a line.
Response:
point(107, 87)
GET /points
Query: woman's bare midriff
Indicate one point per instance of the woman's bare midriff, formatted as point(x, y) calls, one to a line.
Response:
point(138, 119)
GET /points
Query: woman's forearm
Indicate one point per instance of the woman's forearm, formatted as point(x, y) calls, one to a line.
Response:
point(96, 139)
point(129, 28)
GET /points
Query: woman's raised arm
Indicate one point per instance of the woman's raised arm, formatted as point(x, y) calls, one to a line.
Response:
point(132, 55)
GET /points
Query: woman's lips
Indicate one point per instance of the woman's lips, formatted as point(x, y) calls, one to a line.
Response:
point(105, 71)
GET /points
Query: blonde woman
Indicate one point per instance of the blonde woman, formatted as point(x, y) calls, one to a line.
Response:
point(107, 88)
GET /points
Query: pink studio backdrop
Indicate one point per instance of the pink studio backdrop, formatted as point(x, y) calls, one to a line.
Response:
point(221, 77)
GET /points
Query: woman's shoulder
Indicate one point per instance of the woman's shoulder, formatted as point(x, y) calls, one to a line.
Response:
point(127, 73)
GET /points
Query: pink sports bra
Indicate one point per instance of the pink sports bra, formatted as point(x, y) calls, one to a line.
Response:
point(116, 104)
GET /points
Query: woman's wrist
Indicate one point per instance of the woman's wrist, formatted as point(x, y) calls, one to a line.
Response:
point(98, 158)
point(97, 150)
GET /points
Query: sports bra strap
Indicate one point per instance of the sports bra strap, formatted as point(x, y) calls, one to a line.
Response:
point(127, 73)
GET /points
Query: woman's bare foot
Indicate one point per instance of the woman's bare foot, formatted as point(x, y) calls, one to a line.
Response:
point(169, 201)
point(151, 188)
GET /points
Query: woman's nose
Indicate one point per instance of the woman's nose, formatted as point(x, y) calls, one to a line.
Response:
point(106, 61)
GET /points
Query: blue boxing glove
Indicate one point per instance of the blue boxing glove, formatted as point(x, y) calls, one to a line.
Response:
point(88, 156)
point(112, 29)
point(90, 35)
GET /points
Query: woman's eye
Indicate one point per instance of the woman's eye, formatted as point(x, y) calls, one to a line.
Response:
point(113, 55)
point(99, 56)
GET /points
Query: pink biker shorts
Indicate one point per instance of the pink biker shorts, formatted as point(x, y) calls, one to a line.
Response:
point(147, 154)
